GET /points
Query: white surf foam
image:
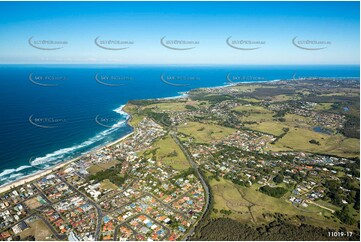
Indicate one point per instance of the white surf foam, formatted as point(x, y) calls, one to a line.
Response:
point(11, 171)
point(50, 159)
point(56, 155)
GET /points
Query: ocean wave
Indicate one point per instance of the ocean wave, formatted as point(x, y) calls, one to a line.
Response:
point(7, 172)
point(15, 175)
point(122, 112)
point(9, 175)
point(59, 154)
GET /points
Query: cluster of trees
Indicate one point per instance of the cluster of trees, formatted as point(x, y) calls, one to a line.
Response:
point(281, 114)
point(184, 173)
point(226, 212)
point(112, 174)
point(210, 98)
point(190, 108)
point(225, 229)
point(334, 192)
point(161, 118)
point(351, 127)
point(273, 191)
point(315, 142)
point(172, 154)
point(344, 216)
point(223, 211)
point(278, 178)
point(285, 131)
point(336, 195)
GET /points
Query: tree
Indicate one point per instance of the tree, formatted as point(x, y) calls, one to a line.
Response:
point(279, 178)
point(344, 217)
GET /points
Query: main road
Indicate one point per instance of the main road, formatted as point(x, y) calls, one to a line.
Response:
point(201, 178)
point(96, 206)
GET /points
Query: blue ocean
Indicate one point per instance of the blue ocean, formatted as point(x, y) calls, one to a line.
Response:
point(52, 113)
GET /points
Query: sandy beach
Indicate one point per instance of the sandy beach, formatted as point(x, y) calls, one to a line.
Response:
point(42, 173)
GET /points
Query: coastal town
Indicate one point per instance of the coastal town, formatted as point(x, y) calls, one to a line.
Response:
point(172, 172)
point(153, 202)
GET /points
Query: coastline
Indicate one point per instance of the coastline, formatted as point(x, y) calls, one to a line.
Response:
point(34, 176)
point(37, 175)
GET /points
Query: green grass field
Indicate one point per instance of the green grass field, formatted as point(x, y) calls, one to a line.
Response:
point(299, 134)
point(251, 108)
point(174, 106)
point(106, 184)
point(251, 206)
point(205, 133)
point(169, 153)
point(135, 116)
point(101, 167)
point(323, 106)
point(270, 127)
point(298, 139)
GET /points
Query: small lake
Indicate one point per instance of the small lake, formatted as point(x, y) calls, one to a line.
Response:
point(319, 129)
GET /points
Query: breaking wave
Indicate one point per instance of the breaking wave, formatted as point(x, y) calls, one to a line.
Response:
point(50, 159)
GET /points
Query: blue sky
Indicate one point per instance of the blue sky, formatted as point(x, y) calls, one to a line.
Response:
point(208, 23)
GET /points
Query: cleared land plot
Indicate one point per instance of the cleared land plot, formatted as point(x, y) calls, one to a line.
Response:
point(300, 133)
point(169, 153)
point(226, 197)
point(251, 100)
point(282, 98)
point(251, 206)
point(33, 203)
point(248, 87)
point(39, 230)
point(323, 106)
point(270, 127)
point(106, 184)
point(101, 167)
point(254, 113)
point(205, 133)
point(251, 108)
point(176, 106)
point(298, 139)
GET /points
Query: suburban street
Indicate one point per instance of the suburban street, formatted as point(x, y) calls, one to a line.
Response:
point(204, 184)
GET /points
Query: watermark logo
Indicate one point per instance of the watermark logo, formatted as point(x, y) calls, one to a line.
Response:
point(178, 80)
point(113, 44)
point(234, 79)
point(113, 80)
point(43, 44)
point(177, 44)
point(46, 122)
point(310, 44)
point(245, 44)
point(108, 122)
point(46, 80)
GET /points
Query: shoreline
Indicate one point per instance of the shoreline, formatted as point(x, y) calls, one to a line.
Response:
point(36, 175)
point(39, 174)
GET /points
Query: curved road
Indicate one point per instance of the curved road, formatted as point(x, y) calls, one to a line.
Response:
point(204, 184)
